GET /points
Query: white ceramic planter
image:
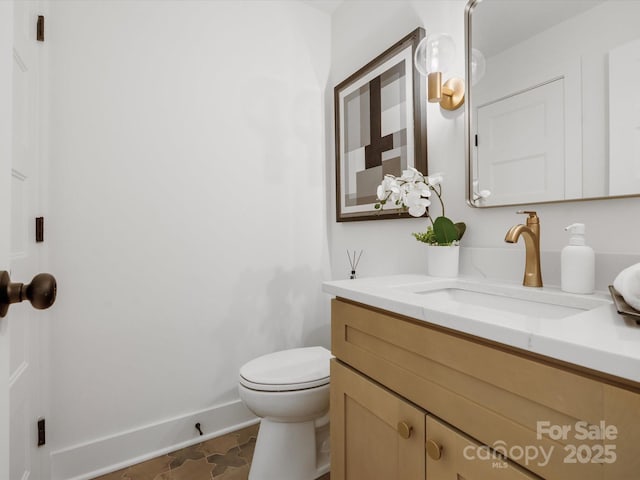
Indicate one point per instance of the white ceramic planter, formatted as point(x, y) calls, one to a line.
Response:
point(442, 261)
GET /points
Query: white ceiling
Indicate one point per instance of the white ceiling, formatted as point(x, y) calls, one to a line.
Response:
point(327, 6)
point(498, 24)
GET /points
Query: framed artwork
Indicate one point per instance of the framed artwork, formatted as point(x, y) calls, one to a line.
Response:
point(380, 122)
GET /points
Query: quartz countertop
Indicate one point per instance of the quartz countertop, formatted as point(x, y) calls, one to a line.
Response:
point(598, 338)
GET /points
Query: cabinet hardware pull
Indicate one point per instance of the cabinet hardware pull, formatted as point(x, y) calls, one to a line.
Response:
point(404, 429)
point(434, 450)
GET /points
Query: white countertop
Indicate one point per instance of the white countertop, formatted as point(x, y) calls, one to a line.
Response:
point(599, 338)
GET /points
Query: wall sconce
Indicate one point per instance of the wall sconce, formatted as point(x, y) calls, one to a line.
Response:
point(435, 54)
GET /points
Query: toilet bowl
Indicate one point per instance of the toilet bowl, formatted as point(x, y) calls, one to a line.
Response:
point(289, 390)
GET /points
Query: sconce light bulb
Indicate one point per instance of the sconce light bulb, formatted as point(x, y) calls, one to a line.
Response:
point(478, 66)
point(435, 53)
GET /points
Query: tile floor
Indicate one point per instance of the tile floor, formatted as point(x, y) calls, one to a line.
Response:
point(223, 458)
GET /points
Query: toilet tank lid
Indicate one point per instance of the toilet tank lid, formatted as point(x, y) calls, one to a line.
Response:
point(288, 367)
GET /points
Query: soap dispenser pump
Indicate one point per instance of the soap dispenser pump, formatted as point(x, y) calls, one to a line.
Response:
point(577, 262)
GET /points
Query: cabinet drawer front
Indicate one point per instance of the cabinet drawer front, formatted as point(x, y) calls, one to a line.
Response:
point(387, 336)
point(375, 434)
point(495, 396)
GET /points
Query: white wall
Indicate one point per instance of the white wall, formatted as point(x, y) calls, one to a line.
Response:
point(187, 203)
point(362, 30)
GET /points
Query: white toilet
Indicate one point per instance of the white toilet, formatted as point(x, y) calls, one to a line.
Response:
point(289, 390)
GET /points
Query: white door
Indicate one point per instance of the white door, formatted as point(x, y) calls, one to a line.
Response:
point(522, 137)
point(6, 67)
point(624, 119)
point(24, 324)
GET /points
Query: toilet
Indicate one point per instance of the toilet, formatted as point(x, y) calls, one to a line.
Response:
point(289, 390)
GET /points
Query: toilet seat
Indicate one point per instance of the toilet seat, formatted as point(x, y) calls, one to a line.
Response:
point(287, 370)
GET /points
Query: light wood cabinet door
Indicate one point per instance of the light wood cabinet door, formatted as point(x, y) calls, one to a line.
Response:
point(375, 434)
point(452, 455)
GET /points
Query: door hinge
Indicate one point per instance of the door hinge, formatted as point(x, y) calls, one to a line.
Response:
point(39, 229)
point(41, 432)
point(40, 29)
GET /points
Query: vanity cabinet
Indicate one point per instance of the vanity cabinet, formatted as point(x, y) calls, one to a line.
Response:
point(462, 400)
point(377, 435)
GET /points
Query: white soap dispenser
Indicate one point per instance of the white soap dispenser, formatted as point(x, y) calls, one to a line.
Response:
point(577, 263)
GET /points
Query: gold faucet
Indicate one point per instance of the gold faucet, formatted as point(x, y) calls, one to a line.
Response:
point(531, 234)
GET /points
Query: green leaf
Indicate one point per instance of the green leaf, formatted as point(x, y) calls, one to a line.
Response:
point(445, 231)
point(461, 227)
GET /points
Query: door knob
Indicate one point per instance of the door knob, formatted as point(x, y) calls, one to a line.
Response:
point(41, 292)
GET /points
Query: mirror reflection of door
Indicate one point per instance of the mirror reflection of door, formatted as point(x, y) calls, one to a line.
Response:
point(520, 146)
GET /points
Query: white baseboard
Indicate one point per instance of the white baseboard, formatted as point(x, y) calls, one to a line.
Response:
point(104, 455)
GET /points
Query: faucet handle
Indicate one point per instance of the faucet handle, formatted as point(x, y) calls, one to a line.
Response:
point(533, 216)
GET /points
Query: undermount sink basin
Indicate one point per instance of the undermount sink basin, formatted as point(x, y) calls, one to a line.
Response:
point(460, 296)
point(498, 302)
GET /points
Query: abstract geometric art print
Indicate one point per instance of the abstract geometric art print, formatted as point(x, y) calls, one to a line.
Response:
point(380, 129)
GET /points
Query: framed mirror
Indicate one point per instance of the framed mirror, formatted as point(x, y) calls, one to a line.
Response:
point(553, 104)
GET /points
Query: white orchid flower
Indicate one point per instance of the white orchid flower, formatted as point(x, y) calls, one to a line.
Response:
point(405, 190)
point(388, 188)
point(389, 181)
point(416, 203)
point(411, 191)
point(411, 175)
point(424, 189)
point(435, 179)
point(419, 210)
